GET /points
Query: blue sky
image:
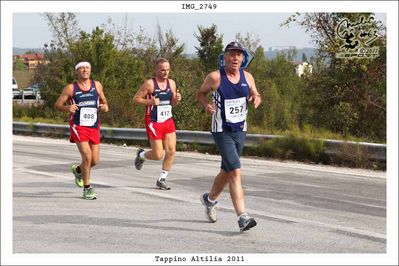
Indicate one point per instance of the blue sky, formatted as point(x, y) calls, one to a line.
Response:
point(30, 30)
point(259, 18)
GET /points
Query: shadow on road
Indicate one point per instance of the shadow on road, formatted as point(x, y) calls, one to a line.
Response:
point(134, 223)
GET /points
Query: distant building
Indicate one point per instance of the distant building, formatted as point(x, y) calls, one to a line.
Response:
point(301, 67)
point(281, 47)
point(31, 61)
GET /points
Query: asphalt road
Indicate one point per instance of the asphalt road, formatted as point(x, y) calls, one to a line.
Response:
point(299, 208)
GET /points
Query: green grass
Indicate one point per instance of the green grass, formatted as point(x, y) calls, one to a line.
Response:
point(307, 132)
point(23, 78)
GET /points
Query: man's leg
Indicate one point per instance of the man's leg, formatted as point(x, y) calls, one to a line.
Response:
point(230, 160)
point(169, 144)
point(156, 152)
point(209, 199)
point(225, 146)
point(86, 154)
point(235, 186)
point(219, 184)
point(95, 154)
point(236, 191)
point(245, 222)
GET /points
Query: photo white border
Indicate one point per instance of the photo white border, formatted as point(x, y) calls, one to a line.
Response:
point(388, 7)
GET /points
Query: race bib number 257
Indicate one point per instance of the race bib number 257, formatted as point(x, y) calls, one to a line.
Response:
point(235, 109)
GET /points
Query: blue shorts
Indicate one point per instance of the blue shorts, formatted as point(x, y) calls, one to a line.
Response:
point(230, 146)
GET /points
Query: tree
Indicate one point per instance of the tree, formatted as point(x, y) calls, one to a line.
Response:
point(124, 38)
point(251, 41)
point(323, 30)
point(349, 95)
point(64, 27)
point(210, 47)
point(258, 65)
point(108, 66)
point(19, 64)
point(285, 92)
point(168, 45)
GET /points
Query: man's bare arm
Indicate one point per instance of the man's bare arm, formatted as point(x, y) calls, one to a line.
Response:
point(66, 94)
point(210, 83)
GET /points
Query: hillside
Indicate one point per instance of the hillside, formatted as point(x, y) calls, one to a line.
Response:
point(17, 50)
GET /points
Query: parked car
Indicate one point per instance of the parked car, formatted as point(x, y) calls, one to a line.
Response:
point(14, 84)
point(15, 90)
point(36, 88)
point(32, 91)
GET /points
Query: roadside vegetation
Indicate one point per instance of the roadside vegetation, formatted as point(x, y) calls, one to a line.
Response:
point(342, 99)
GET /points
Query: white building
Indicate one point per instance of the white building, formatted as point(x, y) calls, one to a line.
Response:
point(302, 67)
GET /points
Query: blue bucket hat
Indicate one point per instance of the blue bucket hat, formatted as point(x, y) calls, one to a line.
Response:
point(247, 57)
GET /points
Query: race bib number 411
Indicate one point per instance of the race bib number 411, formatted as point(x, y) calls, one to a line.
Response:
point(235, 109)
point(88, 116)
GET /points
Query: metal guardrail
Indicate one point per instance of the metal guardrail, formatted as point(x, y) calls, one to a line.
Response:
point(23, 95)
point(373, 151)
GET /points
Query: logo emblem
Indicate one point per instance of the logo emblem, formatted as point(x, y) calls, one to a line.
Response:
point(356, 38)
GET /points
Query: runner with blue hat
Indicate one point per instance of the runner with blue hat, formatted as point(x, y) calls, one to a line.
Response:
point(232, 89)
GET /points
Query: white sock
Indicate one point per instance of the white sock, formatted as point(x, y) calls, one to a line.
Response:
point(243, 215)
point(163, 175)
point(211, 201)
point(142, 155)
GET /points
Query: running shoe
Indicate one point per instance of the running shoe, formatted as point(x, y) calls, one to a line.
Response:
point(88, 193)
point(138, 162)
point(210, 208)
point(245, 223)
point(78, 177)
point(161, 184)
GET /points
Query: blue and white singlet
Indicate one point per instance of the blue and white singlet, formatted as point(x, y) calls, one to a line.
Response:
point(162, 112)
point(231, 102)
point(88, 102)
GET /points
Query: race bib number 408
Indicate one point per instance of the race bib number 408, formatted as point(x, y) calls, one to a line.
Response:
point(164, 112)
point(235, 109)
point(88, 116)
